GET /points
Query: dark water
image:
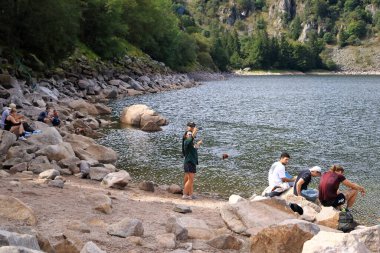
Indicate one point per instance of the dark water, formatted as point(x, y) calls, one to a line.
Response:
point(318, 120)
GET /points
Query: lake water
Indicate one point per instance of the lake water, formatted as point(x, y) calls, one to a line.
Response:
point(319, 120)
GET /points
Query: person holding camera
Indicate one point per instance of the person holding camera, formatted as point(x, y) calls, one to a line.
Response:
point(190, 152)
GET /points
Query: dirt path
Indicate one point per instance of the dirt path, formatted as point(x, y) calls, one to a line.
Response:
point(59, 210)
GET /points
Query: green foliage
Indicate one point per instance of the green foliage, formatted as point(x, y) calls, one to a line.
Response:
point(295, 28)
point(320, 8)
point(46, 29)
point(350, 5)
point(357, 29)
point(219, 55)
point(376, 20)
point(329, 38)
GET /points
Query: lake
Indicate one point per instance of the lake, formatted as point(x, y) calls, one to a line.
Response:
point(319, 120)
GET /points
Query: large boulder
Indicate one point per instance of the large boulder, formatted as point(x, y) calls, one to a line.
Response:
point(328, 216)
point(288, 236)
point(57, 152)
point(334, 243)
point(83, 107)
point(370, 236)
point(174, 226)
point(86, 148)
point(249, 218)
point(49, 136)
point(6, 141)
point(13, 208)
point(16, 239)
point(140, 116)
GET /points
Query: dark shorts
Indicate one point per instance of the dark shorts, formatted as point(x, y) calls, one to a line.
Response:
point(340, 200)
point(189, 167)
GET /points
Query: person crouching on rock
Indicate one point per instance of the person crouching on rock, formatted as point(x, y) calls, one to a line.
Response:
point(303, 180)
point(191, 159)
point(329, 193)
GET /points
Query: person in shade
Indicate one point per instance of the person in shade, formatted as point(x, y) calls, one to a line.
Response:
point(329, 194)
point(190, 153)
point(277, 179)
point(302, 182)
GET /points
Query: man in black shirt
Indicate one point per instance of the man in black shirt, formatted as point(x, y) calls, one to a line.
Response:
point(303, 180)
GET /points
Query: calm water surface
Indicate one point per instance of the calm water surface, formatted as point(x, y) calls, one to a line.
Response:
point(318, 120)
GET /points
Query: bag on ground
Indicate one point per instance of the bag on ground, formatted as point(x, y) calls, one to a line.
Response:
point(346, 222)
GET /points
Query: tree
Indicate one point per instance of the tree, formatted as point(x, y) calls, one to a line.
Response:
point(47, 29)
point(219, 54)
point(295, 28)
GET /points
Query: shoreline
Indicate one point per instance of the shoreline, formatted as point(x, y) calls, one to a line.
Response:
point(310, 73)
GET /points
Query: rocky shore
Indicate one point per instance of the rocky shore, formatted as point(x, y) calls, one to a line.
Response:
point(62, 192)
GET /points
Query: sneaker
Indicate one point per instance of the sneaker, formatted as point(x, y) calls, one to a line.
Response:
point(22, 138)
point(185, 196)
point(193, 197)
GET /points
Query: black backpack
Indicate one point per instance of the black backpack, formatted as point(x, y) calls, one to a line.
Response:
point(346, 222)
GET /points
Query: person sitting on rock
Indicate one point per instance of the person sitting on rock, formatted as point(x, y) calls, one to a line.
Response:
point(329, 193)
point(46, 116)
point(55, 121)
point(277, 179)
point(5, 114)
point(303, 180)
point(13, 125)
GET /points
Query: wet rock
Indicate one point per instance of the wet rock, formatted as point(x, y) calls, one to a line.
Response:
point(139, 115)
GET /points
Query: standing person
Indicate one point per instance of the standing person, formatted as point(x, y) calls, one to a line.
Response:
point(5, 114)
point(190, 153)
point(303, 180)
point(277, 179)
point(329, 193)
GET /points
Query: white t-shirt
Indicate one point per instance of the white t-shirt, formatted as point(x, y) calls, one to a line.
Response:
point(276, 173)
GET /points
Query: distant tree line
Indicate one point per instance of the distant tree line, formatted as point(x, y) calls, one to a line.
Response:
point(184, 37)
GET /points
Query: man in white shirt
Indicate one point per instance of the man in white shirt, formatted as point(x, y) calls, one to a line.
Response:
point(277, 178)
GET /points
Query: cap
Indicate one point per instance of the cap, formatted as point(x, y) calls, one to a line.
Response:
point(316, 168)
point(12, 105)
point(191, 124)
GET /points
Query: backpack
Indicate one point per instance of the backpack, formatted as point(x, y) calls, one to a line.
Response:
point(346, 222)
point(56, 121)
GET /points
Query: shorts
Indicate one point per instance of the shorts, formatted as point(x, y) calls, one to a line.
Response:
point(338, 201)
point(189, 168)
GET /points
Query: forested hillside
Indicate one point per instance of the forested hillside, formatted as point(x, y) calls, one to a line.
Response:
point(186, 35)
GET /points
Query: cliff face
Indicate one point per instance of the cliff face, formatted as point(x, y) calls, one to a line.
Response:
point(349, 29)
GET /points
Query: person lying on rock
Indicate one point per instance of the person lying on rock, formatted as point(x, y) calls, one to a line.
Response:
point(303, 180)
point(329, 194)
point(277, 178)
point(13, 125)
